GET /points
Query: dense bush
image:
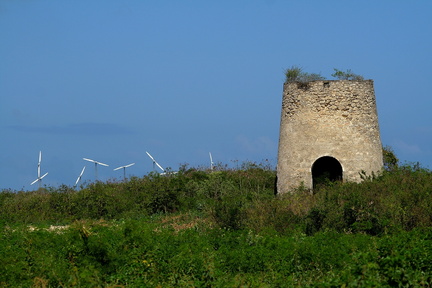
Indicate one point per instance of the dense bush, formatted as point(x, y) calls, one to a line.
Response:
point(348, 75)
point(296, 74)
point(220, 228)
point(397, 199)
point(148, 252)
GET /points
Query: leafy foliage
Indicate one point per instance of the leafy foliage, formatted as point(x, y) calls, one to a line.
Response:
point(348, 75)
point(390, 160)
point(296, 74)
point(145, 253)
point(220, 228)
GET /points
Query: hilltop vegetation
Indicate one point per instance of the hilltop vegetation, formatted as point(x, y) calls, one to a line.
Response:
point(296, 74)
point(221, 228)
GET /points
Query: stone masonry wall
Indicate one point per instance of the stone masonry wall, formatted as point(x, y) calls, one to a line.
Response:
point(328, 118)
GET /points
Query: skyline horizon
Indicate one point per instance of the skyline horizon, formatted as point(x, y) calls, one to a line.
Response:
point(110, 80)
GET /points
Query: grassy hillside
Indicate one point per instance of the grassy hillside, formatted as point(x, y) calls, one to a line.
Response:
point(220, 228)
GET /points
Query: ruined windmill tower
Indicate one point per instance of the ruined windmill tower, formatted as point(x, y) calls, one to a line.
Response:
point(328, 129)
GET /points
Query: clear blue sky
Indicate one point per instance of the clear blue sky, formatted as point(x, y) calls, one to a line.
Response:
point(109, 80)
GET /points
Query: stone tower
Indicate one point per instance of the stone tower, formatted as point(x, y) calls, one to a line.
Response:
point(328, 129)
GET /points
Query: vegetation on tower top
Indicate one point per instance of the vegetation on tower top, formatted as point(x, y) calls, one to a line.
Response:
point(296, 74)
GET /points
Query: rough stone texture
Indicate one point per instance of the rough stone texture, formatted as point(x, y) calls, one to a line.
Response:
point(327, 118)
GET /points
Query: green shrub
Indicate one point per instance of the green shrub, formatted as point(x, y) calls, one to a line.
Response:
point(390, 160)
point(348, 75)
point(148, 253)
point(296, 74)
point(397, 199)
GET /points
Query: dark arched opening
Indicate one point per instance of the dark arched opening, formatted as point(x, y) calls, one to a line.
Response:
point(326, 169)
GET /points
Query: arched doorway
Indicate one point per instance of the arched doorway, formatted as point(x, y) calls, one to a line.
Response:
point(326, 169)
